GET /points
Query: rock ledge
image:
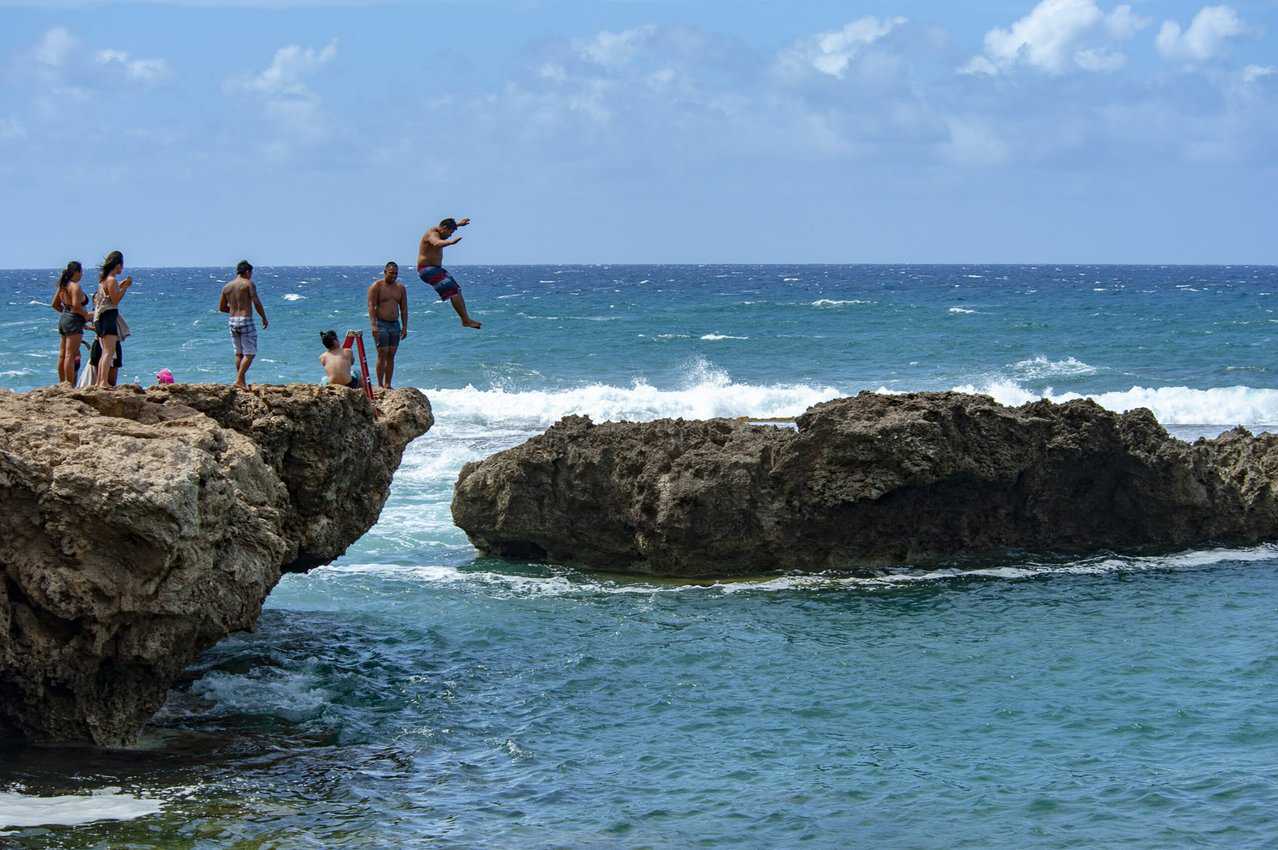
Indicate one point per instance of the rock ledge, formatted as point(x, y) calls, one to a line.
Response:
point(139, 528)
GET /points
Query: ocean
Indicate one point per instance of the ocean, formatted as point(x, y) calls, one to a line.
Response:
point(415, 694)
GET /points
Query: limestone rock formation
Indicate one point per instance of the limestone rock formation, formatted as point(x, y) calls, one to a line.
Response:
point(865, 482)
point(137, 529)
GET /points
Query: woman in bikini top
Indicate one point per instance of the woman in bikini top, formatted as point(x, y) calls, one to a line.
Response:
point(69, 301)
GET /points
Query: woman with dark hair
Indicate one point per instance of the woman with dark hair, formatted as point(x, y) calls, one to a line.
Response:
point(109, 324)
point(69, 300)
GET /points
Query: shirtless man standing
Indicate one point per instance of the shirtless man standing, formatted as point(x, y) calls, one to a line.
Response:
point(239, 298)
point(387, 305)
point(430, 266)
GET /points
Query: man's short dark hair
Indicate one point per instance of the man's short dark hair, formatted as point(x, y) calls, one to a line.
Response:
point(450, 223)
point(391, 264)
point(329, 338)
point(244, 268)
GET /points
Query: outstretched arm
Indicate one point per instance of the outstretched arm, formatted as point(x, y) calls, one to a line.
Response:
point(257, 302)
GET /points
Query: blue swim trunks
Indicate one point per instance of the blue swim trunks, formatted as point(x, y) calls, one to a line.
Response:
point(388, 333)
point(441, 280)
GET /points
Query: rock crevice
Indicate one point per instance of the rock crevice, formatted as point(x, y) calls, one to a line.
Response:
point(139, 528)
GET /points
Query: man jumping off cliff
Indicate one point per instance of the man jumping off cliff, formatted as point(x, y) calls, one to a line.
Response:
point(430, 266)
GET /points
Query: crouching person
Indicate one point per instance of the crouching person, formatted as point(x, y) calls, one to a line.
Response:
point(337, 360)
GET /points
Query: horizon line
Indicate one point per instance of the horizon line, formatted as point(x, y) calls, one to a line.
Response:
point(1001, 264)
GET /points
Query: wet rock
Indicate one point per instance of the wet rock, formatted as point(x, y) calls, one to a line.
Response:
point(868, 481)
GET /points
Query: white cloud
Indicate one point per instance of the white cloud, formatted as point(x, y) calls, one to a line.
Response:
point(611, 49)
point(54, 47)
point(1258, 72)
point(1204, 39)
point(552, 71)
point(285, 94)
point(1100, 59)
point(1059, 36)
point(830, 53)
point(978, 66)
point(286, 76)
point(1046, 36)
point(973, 142)
point(1123, 23)
point(141, 70)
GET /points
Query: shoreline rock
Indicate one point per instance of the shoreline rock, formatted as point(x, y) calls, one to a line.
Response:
point(139, 528)
point(866, 482)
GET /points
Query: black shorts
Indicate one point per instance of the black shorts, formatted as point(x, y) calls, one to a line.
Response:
point(107, 323)
point(96, 353)
point(71, 324)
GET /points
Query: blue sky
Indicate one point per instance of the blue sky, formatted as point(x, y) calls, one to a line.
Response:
point(192, 132)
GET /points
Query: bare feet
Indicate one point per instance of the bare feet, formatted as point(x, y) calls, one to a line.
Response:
point(471, 323)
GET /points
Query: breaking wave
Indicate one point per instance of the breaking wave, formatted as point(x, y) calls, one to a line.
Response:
point(707, 393)
point(1228, 406)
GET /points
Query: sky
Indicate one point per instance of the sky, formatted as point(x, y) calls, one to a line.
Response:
point(318, 132)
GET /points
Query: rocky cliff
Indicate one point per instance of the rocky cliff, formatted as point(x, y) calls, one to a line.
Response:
point(864, 482)
point(137, 529)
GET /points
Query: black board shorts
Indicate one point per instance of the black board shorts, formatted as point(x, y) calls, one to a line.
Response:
point(96, 353)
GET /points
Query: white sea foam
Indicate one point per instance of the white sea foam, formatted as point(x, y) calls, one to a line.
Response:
point(1227, 406)
point(427, 462)
point(719, 337)
point(292, 694)
point(575, 583)
point(293, 296)
point(959, 311)
point(1041, 367)
point(829, 302)
point(707, 393)
point(21, 810)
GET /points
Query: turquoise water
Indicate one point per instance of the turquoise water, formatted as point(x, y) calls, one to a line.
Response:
point(413, 694)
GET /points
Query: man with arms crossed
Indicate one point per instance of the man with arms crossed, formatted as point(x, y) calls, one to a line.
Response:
point(387, 304)
point(239, 298)
point(430, 266)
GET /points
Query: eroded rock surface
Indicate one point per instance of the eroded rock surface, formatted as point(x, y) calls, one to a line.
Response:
point(137, 529)
point(864, 482)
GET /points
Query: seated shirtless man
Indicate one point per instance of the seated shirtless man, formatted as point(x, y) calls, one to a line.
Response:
point(387, 304)
point(430, 266)
point(337, 359)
